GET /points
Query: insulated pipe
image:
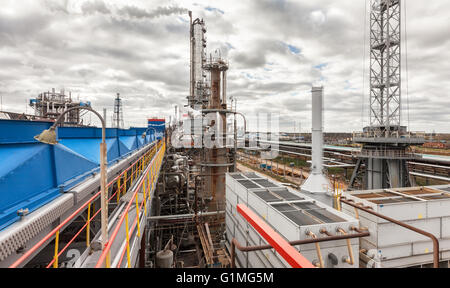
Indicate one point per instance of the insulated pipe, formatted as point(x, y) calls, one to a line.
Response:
point(184, 216)
point(350, 260)
point(224, 88)
point(404, 225)
point(317, 130)
point(319, 253)
point(235, 244)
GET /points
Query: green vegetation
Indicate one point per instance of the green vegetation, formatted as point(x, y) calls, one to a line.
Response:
point(336, 171)
point(277, 177)
point(287, 160)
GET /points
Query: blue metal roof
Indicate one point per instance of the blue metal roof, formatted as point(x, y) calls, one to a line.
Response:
point(32, 174)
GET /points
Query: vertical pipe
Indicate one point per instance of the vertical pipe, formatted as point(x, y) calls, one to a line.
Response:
point(104, 115)
point(104, 196)
point(351, 259)
point(224, 88)
point(317, 132)
point(191, 39)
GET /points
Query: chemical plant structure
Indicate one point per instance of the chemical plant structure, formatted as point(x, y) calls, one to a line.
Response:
point(50, 105)
point(191, 193)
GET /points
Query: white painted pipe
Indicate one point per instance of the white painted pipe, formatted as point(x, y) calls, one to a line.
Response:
point(317, 130)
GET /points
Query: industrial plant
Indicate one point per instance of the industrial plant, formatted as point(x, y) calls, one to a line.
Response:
point(202, 190)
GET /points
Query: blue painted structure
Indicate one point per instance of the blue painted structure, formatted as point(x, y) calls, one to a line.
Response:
point(159, 125)
point(32, 173)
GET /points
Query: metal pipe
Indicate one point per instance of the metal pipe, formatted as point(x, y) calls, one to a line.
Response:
point(404, 225)
point(324, 231)
point(185, 216)
point(235, 244)
point(351, 259)
point(319, 252)
point(191, 46)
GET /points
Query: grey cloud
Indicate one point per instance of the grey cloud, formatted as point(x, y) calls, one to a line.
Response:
point(132, 49)
point(135, 12)
point(96, 6)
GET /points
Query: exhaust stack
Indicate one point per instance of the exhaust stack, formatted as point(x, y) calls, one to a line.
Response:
point(317, 182)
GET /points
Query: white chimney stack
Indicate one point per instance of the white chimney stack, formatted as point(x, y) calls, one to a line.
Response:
point(317, 182)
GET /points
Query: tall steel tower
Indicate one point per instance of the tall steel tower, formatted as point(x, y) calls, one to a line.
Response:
point(199, 90)
point(385, 142)
point(118, 114)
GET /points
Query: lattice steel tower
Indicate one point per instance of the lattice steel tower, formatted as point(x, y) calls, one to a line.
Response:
point(385, 142)
point(118, 113)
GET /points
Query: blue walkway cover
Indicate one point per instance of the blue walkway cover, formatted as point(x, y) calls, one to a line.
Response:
point(32, 173)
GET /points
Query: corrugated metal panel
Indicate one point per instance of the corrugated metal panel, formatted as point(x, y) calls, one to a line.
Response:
point(32, 174)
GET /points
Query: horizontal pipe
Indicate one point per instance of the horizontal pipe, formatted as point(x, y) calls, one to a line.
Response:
point(235, 243)
point(303, 242)
point(185, 216)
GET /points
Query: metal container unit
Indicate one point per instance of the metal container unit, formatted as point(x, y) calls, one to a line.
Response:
point(389, 245)
point(291, 214)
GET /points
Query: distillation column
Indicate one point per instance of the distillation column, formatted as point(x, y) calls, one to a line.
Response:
point(216, 162)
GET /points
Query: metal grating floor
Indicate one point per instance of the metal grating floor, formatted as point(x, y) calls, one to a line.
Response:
point(267, 196)
point(251, 175)
point(237, 176)
point(285, 194)
point(284, 207)
point(265, 183)
point(248, 184)
point(325, 216)
point(306, 206)
point(300, 218)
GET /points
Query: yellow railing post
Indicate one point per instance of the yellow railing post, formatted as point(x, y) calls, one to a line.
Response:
point(128, 241)
point(125, 182)
point(145, 198)
point(148, 184)
point(55, 263)
point(118, 189)
point(88, 226)
point(108, 260)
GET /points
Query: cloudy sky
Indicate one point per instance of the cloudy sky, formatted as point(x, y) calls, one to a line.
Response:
point(276, 48)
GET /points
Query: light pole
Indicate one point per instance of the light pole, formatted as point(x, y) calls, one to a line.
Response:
point(49, 137)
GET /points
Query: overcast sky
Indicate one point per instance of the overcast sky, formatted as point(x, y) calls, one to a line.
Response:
point(276, 48)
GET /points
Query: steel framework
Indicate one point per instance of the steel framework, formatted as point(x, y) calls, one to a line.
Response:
point(118, 113)
point(385, 141)
point(385, 66)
